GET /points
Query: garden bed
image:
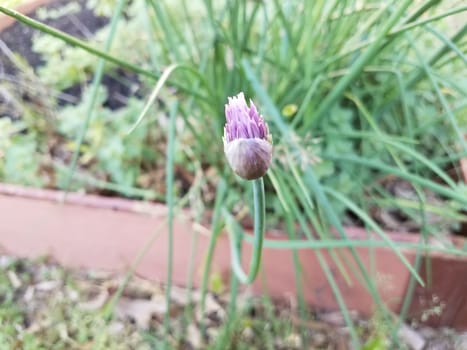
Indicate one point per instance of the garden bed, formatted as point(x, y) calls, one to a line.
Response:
point(116, 174)
point(37, 93)
point(92, 226)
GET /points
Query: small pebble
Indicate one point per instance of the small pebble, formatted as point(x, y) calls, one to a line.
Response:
point(318, 339)
point(411, 337)
point(461, 342)
point(293, 341)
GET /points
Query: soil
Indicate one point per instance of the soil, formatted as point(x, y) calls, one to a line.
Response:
point(72, 24)
point(81, 24)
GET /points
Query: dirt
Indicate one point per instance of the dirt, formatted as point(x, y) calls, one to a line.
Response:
point(19, 37)
point(81, 24)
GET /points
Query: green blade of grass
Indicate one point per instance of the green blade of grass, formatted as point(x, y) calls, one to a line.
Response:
point(99, 73)
point(310, 179)
point(169, 188)
point(303, 198)
point(375, 227)
point(418, 75)
point(381, 136)
point(445, 191)
point(160, 83)
point(357, 67)
point(441, 97)
point(215, 232)
point(347, 243)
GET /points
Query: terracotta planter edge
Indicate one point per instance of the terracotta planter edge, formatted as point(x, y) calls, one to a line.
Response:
point(88, 231)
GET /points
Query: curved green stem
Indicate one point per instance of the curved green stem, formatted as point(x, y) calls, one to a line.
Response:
point(259, 224)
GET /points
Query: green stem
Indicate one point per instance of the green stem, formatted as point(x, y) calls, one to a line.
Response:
point(373, 50)
point(170, 220)
point(215, 231)
point(259, 224)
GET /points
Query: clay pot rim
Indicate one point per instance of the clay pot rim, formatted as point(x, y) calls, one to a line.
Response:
point(160, 210)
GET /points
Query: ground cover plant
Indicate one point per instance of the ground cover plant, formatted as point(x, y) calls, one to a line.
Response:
point(47, 307)
point(366, 102)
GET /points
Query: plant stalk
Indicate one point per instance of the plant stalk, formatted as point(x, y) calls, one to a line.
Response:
point(258, 236)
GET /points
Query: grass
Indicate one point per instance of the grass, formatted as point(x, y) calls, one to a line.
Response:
point(52, 319)
point(353, 93)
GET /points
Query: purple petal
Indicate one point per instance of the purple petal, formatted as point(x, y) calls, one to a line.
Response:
point(243, 121)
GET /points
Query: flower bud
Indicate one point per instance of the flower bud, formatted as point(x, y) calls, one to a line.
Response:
point(247, 142)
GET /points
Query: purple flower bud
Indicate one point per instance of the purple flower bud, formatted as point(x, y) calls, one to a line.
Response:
point(247, 142)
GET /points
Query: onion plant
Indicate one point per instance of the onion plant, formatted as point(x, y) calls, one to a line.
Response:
point(248, 148)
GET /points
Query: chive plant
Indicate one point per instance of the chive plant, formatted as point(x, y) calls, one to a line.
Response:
point(248, 148)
